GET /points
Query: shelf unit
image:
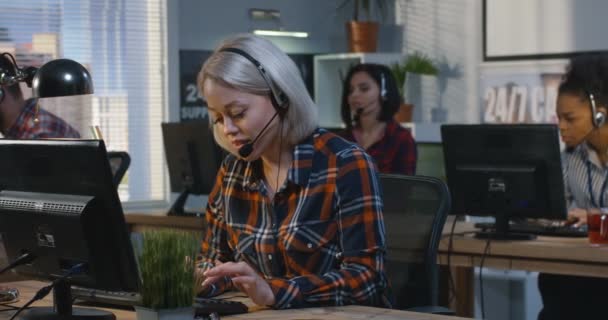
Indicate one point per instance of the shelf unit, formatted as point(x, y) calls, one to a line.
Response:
point(329, 70)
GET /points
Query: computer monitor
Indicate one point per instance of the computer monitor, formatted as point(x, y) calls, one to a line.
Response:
point(505, 171)
point(193, 158)
point(58, 202)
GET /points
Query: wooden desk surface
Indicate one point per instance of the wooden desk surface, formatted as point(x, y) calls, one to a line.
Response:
point(140, 221)
point(29, 288)
point(560, 255)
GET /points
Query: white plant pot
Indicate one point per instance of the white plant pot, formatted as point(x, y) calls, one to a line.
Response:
point(164, 314)
point(421, 91)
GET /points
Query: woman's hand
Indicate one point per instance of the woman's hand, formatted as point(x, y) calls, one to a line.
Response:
point(243, 278)
point(577, 217)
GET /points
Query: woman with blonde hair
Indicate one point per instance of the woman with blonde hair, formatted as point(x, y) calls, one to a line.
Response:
point(295, 216)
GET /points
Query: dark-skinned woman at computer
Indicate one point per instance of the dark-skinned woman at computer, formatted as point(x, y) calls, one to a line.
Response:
point(295, 216)
point(370, 99)
point(581, 109)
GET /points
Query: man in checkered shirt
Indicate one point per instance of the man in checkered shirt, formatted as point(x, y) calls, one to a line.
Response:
point(24, 119)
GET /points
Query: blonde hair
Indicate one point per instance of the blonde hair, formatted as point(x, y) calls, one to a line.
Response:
point(236, 71)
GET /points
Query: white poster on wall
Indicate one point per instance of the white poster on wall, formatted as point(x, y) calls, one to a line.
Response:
point(520, 92)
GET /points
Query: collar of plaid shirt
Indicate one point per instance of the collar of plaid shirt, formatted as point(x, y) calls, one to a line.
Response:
point(297, 174)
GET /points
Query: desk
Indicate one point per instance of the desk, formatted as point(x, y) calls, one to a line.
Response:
point(28, 289)
point(137, 222)
point(568, 256)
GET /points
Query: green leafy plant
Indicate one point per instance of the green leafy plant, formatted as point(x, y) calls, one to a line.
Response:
point(362, 9)
point(167, 268)
point(416, 62)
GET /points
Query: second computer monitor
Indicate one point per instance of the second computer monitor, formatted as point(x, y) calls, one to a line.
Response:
point(193, 159)
point(507, 171)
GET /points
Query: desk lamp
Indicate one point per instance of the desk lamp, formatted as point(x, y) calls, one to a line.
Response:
point(56, 78)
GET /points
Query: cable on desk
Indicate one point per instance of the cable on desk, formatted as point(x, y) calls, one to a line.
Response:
point(452, 294)
point(483, 257)
point(7, 307)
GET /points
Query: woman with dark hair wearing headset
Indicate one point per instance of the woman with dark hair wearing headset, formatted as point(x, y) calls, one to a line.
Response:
point(581, 109)
point(295, 216)
point(370, 99)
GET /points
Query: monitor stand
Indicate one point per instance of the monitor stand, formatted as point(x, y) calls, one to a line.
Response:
point(498, 199)
point(62, 309)
point(177, 209)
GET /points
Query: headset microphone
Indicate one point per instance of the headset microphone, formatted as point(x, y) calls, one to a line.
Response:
point(247, 148)
point(357, 117)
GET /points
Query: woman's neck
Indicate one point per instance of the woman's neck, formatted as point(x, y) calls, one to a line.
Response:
point(369, 125)
point(275, 169)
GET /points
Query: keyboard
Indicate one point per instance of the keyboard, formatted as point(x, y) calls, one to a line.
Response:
point(552, 230)
point(115, 298)
point(203, 306)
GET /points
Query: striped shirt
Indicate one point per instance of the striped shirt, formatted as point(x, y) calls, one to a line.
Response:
point(319, 241)
point(576, 177)
point(48, 125)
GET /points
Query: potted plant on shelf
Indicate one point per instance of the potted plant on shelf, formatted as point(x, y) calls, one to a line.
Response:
point(166, 266)
point(414, 64)
point(362, 31)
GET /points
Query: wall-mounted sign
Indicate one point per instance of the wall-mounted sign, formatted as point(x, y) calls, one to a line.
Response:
point(192, 104)
point(520, 92)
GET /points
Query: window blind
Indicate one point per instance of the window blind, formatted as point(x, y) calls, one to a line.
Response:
point(122, 44)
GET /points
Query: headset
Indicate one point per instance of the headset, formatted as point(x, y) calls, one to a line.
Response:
point(277, 97)
point(382, 86)
point(598, 117)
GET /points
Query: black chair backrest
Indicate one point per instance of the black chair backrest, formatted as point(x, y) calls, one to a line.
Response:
point(415, 210)
point(119, 163)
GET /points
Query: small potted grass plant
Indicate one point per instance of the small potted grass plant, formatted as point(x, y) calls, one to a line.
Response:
point(166, 266)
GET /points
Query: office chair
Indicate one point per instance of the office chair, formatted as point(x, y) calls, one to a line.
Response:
point(415, 210)
point(119, 163)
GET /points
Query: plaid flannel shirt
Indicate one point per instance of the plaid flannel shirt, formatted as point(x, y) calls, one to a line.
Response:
point(48, 125)
point(320, 241)
point(395, 152)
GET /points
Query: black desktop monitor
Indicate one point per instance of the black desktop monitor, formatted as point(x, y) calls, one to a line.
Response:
point(505, 171)
point(58, 202)
point(193, 158)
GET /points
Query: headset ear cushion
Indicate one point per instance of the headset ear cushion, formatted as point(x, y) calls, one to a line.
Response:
point(382, 86)
point(600, 119)
point(281, 106)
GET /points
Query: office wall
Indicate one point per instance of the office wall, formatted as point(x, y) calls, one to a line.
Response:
point(544, 27)
point(450, 32)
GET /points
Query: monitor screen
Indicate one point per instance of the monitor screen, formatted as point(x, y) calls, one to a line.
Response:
point(58, 201)
point(506, 171)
